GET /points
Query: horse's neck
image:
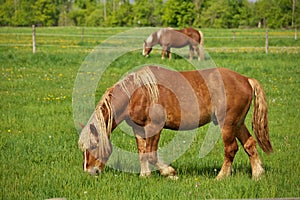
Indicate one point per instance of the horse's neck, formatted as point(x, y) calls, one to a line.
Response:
point(118, 103)
point(153, 39)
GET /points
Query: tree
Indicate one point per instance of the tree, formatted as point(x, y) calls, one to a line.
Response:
point(16, 13)
point(199, 4)
point(95, 18)
point(64, 9)
point(122, 14)
point(179, 13)
point(45, 13)
point(213, 15)
point(275, 13)
point(175, 13)
point(147, 13)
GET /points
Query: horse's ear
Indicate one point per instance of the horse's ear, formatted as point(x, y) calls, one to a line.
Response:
point(94, 130)
point(82, 126)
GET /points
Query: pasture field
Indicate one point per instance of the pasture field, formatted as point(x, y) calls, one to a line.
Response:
point(39, 155)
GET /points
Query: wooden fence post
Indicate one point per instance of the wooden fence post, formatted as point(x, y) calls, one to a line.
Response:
point(267, 42)
point(33, 39)
point(233, 35)
point(82, 35)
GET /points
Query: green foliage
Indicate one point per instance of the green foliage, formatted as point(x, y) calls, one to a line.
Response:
point(148, 13)
point(178, 13)
point(95, 18)
point(226, 14)
point(45, 13)
point(77, 16)
point(123, 14)
point(13, 14)
point(277, 14)
point(174, 13)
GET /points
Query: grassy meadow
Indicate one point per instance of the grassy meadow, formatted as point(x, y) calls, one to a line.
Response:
point(39, 155)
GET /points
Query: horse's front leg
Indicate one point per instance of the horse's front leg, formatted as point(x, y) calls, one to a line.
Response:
point(163, 53)
point(169, 54)
point(141, 143)
point(151, 148)
point(166, 49)
point(152, 132)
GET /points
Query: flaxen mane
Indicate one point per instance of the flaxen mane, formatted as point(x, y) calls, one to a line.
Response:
point(142, 78)
point(138, 79)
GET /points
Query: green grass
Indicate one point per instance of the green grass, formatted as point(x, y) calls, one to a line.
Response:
point(39, 156)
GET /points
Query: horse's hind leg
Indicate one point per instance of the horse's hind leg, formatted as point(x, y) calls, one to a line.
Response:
point(230, 149)
point(191, 52)
point(169, 54)
point(164, 51)
point(199, 53)
point(249, 145)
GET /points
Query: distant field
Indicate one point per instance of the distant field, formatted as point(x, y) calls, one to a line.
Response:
point(39, 155)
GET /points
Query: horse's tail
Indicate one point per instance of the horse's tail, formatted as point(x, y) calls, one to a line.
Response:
point(260, 117)
point(201, 39)
point(201, 45)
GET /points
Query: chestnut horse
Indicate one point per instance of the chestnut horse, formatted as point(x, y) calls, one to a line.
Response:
point(154, 98)
point(168, 38)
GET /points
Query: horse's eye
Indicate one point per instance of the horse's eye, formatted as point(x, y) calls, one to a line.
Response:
point(93, 147)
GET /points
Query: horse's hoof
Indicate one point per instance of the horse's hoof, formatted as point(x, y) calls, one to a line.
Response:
point(145, 175)
point(222, 176)
point(257, 177)
point(173, 177)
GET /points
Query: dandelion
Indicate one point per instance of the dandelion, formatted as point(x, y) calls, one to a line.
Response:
point(9, 131)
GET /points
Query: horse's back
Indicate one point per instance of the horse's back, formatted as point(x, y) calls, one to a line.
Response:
point(186, 95)
point(235, 82)
point(216, 89)
point(237, 96)
point(193, 33)
point(211, 77)
point(173, 38)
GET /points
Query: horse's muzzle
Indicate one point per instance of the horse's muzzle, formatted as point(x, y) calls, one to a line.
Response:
point(93, 171)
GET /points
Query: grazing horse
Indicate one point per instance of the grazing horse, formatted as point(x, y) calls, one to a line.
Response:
point(168, 38)
point(154, 98)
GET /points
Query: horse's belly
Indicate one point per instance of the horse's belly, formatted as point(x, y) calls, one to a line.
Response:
point(180, 118)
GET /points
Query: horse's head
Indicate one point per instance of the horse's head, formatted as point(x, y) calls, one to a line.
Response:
point(147, 48)
point(95, 143)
